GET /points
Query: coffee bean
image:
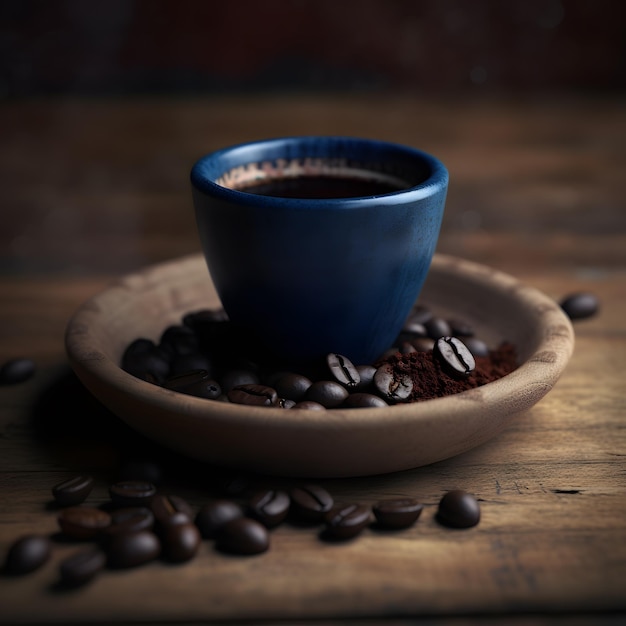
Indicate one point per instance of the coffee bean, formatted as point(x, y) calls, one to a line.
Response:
point(406, 347)
point(328, 393)
point(423, 344)
point(73, 490)
point(460, 328)
point(310, 502)
point(395, 513)
point(343, 370)
point(197, 383)
point(269, 506)
point(345, 521)
point(437, 327)
point(132, 549)
point(179, 339)
point(360, 400)
point(183, 363)
point(284, 403)
point(144, 359)
point(130, 520)
point(253, 395)
point(83, 522)
point(16, 371)
point(214, 514)
point(235, 377)
point(82, 566)
point(170, 510)
point(476, 346)
point(580, 305)
point(27, 553)
point(180, 542)
point(132, 493)
point(413, 330)
point(455, 359)
point(243, 535)
point(366, 374)
point(458, 509)
point(395, 386)
point(292, 386)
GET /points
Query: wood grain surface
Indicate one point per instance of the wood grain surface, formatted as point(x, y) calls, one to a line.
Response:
point(93, 189)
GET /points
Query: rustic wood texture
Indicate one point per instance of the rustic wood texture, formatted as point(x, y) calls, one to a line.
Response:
point(92, 189)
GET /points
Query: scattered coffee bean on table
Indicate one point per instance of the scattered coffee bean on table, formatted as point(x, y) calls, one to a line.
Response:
point(458, 509)
point(345, 521)
point(82, 566)
point(580, 305)
point(243, 535)
point(16, 371)
point(27, 554)
point(396, 513)
point(73, 490)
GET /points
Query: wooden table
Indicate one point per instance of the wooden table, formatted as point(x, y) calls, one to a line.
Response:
point(93, 189)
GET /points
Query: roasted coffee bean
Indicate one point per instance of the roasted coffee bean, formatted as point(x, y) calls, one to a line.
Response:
point(309, 405)
point(194, 383)
point(291, 386)
point(170, 510)
point(83, 522)
point(82, 566)
point(476, 346)
point(460, 328)
point(366, 375)
point(27, 553)
point(345, 521)
point(392, 385)
point(132, 493)
point(179, 339)
point(455, 359)
point(360, 400)
point(395, 513)
point(180, 542)
point(413, 330)
point(235, 377)
point(214, 514)
point(73, 490)
point(243, 535)
point(253, 395)
point(130, 520)
point(132, 549)
point(406, 347)
point(328, 393)
point(269, 506)
point(343, 370)
point(183, 363)
point(144, 359)
point(310, 502)
point(458, 509)
point(580, 305)
point(423, 344)
point(16, 371)
point(284, 403)
point(437, 327)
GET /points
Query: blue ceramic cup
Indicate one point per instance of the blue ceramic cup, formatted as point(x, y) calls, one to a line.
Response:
point(319, 244)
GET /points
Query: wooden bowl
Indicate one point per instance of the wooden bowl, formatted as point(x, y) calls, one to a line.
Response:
point(332, 443)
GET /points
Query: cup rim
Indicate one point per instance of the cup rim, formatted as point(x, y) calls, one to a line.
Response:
point(212, 165)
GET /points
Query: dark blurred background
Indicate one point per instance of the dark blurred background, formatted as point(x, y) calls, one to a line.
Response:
point(193, 46)
point(106, 104)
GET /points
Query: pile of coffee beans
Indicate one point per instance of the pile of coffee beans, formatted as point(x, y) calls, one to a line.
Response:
point(205, 356)
point(141, 523)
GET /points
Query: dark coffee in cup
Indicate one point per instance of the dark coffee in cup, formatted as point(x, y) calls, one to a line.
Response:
point(321, 187)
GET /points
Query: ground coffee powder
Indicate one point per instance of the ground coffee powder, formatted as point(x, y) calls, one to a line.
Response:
point(431, 381)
